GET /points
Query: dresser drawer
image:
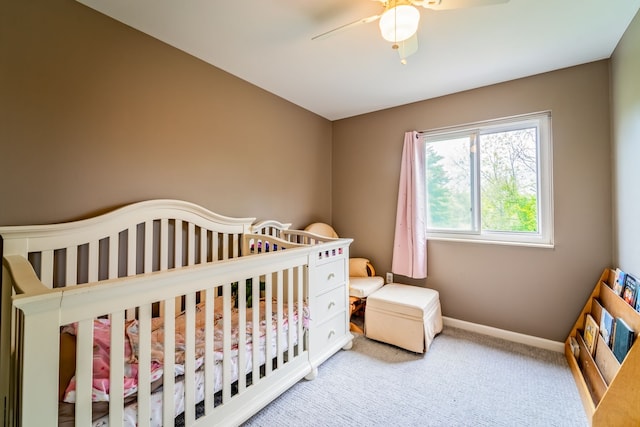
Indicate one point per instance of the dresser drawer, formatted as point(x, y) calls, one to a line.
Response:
point(329, 276)
point(326, 333)
point(329, 304)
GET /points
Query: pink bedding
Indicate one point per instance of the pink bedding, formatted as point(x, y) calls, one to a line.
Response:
point(100, 385)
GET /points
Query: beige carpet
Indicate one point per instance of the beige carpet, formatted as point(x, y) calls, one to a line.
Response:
point(465, 379)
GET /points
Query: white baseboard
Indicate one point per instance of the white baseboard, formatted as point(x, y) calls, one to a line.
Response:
point(505, 335)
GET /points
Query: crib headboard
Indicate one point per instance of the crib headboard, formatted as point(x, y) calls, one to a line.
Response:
point(154, 235)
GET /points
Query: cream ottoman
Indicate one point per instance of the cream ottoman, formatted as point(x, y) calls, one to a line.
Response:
point(403, 315)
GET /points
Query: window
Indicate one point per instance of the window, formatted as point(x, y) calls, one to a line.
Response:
point(491, 181)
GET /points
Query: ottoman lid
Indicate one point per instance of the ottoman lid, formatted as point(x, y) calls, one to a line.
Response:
point(405, 299)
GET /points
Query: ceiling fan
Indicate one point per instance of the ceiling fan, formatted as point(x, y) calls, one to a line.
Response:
point(400, 18)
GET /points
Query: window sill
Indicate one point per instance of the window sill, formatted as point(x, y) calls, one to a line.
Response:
point(480, 240)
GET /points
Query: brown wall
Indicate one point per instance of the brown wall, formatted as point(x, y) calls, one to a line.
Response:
point(625, 90)
point(94, 114)
point(528, 290)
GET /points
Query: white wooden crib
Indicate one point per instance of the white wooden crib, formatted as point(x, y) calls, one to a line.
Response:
point(147, 313)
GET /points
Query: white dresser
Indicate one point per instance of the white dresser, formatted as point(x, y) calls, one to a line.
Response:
point(329, 304)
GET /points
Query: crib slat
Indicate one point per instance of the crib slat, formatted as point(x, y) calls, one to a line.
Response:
point(208, 340)
point(290, 301)
point(131, 258)
point(242, 342)
point(236, 245)
point(168, 384)
point(84, 372)
point(255, 321)
point(191, 244)
point(116, 369)
point(71, 272)
point(177, 251)
point(215, 250)
point(46, 268)
point(93, 261)
point(189, 363)
point(148, 246)
point(164, 244)
point(144, 365)
point(131, 250)
point(226, 343)
point(268, 313)
point(225, 246)
point(279, 328)
point(113, 256)
point(300, 324)
point(177, 257)
point(203, 245)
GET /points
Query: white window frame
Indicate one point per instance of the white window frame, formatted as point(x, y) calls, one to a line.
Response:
point(545, 235)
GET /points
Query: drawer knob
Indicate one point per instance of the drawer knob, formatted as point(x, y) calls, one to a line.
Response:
point(331, 333)
point(331, 304)
point(331, 276)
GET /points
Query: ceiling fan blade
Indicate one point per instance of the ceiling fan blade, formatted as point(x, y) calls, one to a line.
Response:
point(407, 48)
point(346, 26)
point(455, 4)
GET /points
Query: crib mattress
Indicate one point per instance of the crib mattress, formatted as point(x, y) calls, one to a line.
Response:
point(131, 410)
point(100, 406)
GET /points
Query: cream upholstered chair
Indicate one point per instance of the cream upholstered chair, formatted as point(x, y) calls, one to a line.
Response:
point(362, 276)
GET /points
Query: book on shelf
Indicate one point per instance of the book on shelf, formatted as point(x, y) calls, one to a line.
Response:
point(575, 348)
point(630, 290)
point(618, 282)
point(622, 339)
point(590, 333)
point(596, 310)
point(606, 362)
point(606, 326)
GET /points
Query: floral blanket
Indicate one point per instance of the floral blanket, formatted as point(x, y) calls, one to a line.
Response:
point(101, 347)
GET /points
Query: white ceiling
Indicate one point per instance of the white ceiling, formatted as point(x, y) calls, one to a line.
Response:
point(268, 43)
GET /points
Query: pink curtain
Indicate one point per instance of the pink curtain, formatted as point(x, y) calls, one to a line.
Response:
point(410, 240)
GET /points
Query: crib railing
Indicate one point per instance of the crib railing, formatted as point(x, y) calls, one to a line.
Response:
point(40, 312)
point(304, 237)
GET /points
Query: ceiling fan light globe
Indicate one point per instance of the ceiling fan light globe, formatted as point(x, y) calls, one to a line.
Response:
point(399, 23)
